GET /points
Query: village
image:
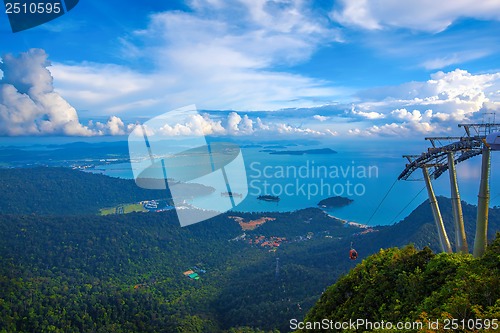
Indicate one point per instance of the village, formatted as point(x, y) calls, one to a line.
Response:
point(194, 273)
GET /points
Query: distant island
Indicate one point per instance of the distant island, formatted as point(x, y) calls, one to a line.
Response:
point(275, 147)
point(251, 146)
point(272, 198)
point(335, 202)
point(321, 151)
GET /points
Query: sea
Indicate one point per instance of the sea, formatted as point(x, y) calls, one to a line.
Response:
point(363, 170)
point(365, 173)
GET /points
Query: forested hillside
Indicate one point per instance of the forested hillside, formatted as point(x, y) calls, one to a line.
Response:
point(419, 228)
point(407, 285)
point(109, 274)
point(69, 270)
point(124, 273)
point(63, 191)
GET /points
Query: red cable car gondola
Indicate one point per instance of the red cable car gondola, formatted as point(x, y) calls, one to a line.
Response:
point(353, 254)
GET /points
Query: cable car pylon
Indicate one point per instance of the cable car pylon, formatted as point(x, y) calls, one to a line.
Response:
point(479, 139)
point(483, 203)
point(438, 219)
point(456, 203)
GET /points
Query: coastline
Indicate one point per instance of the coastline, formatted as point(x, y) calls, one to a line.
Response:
point(347, 222)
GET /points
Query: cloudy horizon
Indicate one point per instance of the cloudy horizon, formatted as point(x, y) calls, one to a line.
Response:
point(335, 68)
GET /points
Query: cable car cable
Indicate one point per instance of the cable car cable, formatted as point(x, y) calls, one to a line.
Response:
point(409, 203)
point(382, 201)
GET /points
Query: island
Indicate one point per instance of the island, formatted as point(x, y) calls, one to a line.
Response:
point(335, 202)
point(272, 198)
point(321, 151)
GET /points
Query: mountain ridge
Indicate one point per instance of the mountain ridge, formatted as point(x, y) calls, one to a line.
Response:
point(426, 290)
point(96, 261)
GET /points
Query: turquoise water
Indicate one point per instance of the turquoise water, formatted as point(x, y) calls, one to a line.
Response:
point(301, 181)
point(364, 175)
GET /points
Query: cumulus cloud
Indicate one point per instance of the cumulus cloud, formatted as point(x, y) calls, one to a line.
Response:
point(246, 126)
point(261, 125)
point(392, 129)
point(30, 106)
point(283, 128)
point(235, 125)
point(457, 93)
point(233, 121)
point(423, 15)
point(367, 114)
point(28, 103)
point(194, 125)
point(320, 118)
point(436, 105)
point(114, 126)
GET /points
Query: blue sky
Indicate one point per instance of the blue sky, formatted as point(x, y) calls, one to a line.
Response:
point(318, 68)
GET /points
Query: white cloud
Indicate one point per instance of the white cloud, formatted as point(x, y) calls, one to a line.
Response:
point(261, 125)
point(114, 126)
point(413, 116)
point(423, 15)
point(283, 128)
point(30, 106)
point(28, 103)
point(219, 55)
point(332, 133)
point(356, 12)
point(192, 125)
point(233, 124)
point(320, 118)
point(246, 126)
point(392, 129)
point(434, 106)
point(453, 59)
point(368, 115)
point(238, 125)
point(117, 81)
point(233, 121)
point(457, 93)
point(108, 88)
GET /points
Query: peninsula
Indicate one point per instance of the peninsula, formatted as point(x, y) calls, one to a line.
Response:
point(335, 202)
point(321, 151)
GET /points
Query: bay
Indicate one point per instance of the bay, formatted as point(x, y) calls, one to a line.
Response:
point(366, 176)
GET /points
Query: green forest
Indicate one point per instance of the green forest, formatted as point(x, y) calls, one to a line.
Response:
point(459, 292)
point(65, 268)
